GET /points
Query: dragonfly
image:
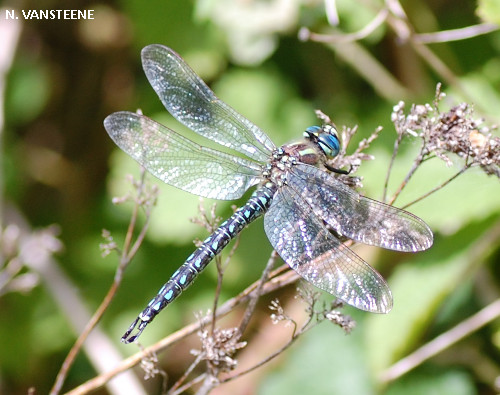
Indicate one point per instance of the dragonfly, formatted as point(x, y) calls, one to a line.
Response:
point(307, 210)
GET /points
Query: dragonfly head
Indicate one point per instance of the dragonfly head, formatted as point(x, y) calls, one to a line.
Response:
point(326, 138)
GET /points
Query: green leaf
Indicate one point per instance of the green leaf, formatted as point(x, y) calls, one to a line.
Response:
point(324, 361)
point(452, 382)
point(489, 10)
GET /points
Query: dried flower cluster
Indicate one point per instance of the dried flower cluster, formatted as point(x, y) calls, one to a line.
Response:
point(352, 161)
point(280, 314)
point(344, 321)
point(219, 346)
point(146, 195)
point(149, 365)
point(453, 132)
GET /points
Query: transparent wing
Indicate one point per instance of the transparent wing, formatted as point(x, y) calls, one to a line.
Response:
point(304, 243)
point(359, 218)
point(178, 161)
point(192, 102)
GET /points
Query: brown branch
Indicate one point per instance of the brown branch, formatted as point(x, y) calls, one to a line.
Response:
point(271, 285)
point(188, 385)
point(126, 257)
point(178, 383)
point(253, 301)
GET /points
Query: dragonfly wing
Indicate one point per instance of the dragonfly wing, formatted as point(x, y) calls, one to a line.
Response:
point(178, 161)
point(191, 101)
point(304, 243)
point(359, 218)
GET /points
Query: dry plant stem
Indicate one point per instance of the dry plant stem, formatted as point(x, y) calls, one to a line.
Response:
point(399, 23)
point(254, 299)
point(391, 164)
point(209, 383)
point(186, 386)
point(218, 289)
point(416, 163)
point(244, 323)
point(296, 333)
point(220, 274)
point(126, 256)
point(365, 143)
point(331, 12)
point(465, 328)
point(182, 379)
point(306, 34)
point(441, 186)
point(286, 278)
point(393, 14)
point(456, 34)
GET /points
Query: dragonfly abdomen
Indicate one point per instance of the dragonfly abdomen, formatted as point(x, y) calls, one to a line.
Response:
point(257, 205)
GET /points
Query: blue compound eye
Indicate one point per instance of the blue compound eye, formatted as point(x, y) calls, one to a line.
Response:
point(312, 130)
point(326, 137)
point(329, 143)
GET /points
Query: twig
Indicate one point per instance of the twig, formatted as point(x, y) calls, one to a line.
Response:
point(178, 383)
point(442, 185)
point(186, 386)
point(394, 16)
point(253, 301)
point(284, 279)
point(305, 34)
point(331, 12)
point(127, 254)
point(448, 338)
point(295, 334)
point(263, 361)
point(391, 164)
point(399, 23)
point(456, 34)
point(416, 164)
point(209, 383)
point(442, 342)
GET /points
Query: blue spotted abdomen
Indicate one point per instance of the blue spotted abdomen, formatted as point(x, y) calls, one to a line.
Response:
point(257, 205)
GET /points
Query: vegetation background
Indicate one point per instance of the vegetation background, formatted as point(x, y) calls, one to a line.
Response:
point(60, 78)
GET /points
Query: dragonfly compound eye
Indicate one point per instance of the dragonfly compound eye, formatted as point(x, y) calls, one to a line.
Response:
point(329, 144)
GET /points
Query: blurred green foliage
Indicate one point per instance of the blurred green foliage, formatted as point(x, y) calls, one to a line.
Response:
point(60, 167)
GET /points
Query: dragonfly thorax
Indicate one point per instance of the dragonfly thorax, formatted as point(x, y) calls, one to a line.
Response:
point(318, 146)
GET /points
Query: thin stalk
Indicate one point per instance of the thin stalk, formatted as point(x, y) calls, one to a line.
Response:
point(126, 257)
